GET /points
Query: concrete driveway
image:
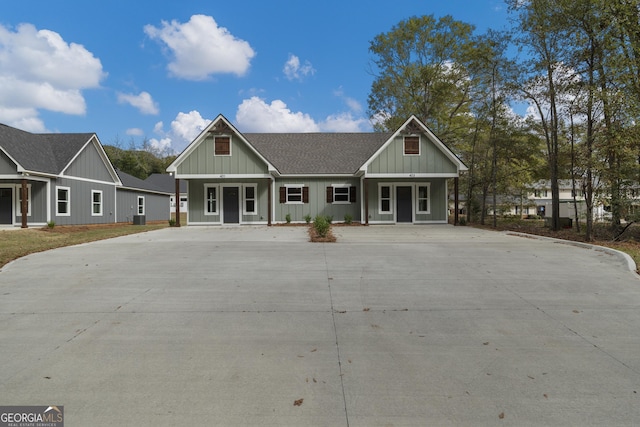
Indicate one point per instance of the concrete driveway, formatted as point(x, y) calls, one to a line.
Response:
point(391, 326)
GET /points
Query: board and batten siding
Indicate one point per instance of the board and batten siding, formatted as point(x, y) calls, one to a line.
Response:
point(317, 200)
point(242, 160)
point(196, 197)
point(393, 160)
point(81, 202)
point(89, 165)
point(38, 202)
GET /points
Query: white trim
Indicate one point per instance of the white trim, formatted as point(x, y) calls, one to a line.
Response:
point(93, 203)
point(94, 181)
point(410, 175)
point(68, 201)
point(222, 176)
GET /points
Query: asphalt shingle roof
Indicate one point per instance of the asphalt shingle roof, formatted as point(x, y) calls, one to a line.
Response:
point(166, 182)
point(317, 153)
point(47, 152)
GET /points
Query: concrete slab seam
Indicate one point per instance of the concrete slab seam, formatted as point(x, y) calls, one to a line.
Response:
point(631, 265)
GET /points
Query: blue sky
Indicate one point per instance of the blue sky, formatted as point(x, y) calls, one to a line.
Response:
point(161, 70)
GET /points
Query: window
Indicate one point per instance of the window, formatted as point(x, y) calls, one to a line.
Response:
point(294, 194)
point(250, 200)
point(96, 203)
point(222, 145)
point(19, 206)
point(210, 200)
point(412, 145)
point(423, 199)
point(63, 202)
point(341, 194)
point(140, 205)
point(540, 193)
point(385, 199)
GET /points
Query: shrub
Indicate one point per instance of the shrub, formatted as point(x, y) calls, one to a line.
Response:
point(172, 222)
point(329, 219)
point(307, 218)
point(348, 219)
point(288, 218)
point(51, 224)
point(321, 225)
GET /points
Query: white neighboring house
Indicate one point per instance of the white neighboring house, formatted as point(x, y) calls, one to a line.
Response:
point(168, 183)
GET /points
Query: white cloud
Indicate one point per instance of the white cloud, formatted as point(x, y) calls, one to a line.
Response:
point(293, 70)
point(184, 129)
point(162, 145)
point(39, 70)
point(201, 48)
point(143, 102)
point(255, 115)
point(135, 132)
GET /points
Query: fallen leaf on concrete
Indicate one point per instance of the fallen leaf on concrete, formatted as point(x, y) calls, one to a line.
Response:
point(501, 416)
point(485, 343)
point(576, 311)
point(530, 377)
point(315, 349)
point(298, 402)
point(366, 309)
point(546, 396)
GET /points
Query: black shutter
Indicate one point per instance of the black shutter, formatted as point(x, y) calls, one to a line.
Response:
point(329, 194)
point(305, 194)
point(283, 195)
point(352, 195)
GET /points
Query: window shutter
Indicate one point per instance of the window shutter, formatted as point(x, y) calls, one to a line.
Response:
point(283, 195)
point(305, 194)
point(352, 195)
point(329, 194)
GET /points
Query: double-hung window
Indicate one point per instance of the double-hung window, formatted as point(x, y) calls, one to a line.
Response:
point(294, 194)
point(423, 204)
point(63, 201)
point(250, 200)
point(140, 205)
point(384, 198)
point(96, 203)
point(341, 194)
point(211, 200)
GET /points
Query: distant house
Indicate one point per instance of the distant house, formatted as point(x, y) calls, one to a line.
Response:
point(167, 183)
point(67, 178)
point(372, 178)
point(137, 197)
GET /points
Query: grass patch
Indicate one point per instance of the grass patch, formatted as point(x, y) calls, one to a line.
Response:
point(18, 243)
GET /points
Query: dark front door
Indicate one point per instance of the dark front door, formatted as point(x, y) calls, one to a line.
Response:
point(5, 206)
point(403, 204)
point(231, 205)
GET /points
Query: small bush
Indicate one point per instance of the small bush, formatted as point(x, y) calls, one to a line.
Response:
point(329, 219)
point(172, 222)
point(321, 225)
point(51, 224)
point(307, 218)
point(348, 219)
point(462, 221)
point(288, 218)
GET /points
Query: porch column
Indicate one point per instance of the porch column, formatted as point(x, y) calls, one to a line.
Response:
point(269, 196)
point(366, 201)
point(455, 200)
point(177, 202)
point(24, 205)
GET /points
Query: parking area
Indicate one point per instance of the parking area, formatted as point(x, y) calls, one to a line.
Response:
point(390, 326)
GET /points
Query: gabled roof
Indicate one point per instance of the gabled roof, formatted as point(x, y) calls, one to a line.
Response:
point(47, 153)
point(166, 182)
point(317, 153)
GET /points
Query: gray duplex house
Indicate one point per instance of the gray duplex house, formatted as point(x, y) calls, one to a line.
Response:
point(67, 178)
